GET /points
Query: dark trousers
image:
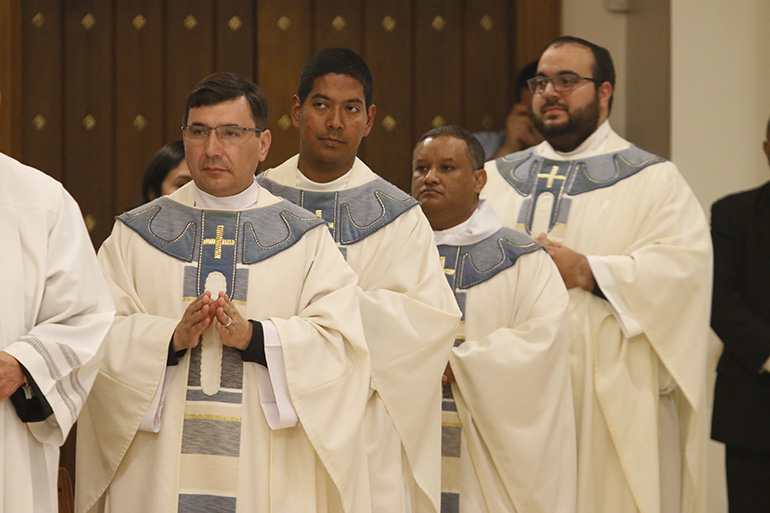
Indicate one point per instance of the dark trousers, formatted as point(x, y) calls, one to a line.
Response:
point(748, 480)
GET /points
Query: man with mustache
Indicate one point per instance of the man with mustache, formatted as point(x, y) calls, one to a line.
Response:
point(632, 245)
point(407, 308)
point(235, 374)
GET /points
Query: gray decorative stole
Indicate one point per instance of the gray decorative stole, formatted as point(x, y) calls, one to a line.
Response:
point(466, 267)
point(536, 177)
point(351, 214)
point(218, 247)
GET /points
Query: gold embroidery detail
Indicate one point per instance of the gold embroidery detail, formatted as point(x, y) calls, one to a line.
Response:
point(206, 416)
point(319, 213)
point(438, 121)
point(219, 241)
point(450, 272)
point(553, 175)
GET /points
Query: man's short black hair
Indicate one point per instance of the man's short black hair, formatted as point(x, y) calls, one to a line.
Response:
point(603, 69)
point(222, 87)
point(474, 147)
point(340, 61)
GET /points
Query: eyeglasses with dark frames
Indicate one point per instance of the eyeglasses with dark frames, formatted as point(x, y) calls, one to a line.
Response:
point(228, 134)
point(561, 83)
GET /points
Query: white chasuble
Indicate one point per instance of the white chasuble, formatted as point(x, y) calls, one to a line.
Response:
point(409, 318)
point(644, 349)
point(512, 446)
point(56, 310)
point(287, 273)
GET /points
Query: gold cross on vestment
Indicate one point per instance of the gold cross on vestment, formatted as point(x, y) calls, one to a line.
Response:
point(219, 241)
point(553, 175)
point(319, 213)
point(450, 272)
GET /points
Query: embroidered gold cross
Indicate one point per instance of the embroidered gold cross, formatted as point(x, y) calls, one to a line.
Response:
point(553, 175)
point(219, 241)
point(450, 272)
point(319, 213)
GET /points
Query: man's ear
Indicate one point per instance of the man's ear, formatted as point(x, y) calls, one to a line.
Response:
point(295, 107)
point(480, 176)
point(267, 139)
point(369, 119)
point(605, 93)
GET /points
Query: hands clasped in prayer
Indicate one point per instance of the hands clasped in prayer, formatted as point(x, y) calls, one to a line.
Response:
point(234, 329)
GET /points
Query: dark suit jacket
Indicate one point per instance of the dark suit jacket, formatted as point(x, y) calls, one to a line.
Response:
point(740, 230)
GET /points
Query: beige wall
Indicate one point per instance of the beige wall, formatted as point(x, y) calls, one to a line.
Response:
point(718, 105)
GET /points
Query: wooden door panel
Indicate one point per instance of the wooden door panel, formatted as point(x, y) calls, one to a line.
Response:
point(89, 111)
point(284, 44)
point(438, 64)
point(388, 52)
point(485, 80)
point(189, 55)
point(235, 37)
point(138, 95)
point(338, 23)
point(42, 104)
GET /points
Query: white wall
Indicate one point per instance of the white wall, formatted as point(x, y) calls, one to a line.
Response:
point(720, 87)
point(720, 103)
point(720, 93)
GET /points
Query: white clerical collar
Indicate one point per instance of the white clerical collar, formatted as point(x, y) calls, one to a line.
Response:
point(240, 201)
point(338, 184)
point(482, 223)
point(592, 146)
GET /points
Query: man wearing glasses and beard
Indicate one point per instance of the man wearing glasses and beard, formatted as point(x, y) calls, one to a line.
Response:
point(632, 245)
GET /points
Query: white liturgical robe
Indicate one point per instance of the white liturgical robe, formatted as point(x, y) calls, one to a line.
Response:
point(409, 318)
point(55, 312)
point(638, 357)
point(306, 292)
point(512, 385)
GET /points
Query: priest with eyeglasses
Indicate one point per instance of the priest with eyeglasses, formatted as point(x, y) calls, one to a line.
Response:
point(236, 374)
point(632, 245)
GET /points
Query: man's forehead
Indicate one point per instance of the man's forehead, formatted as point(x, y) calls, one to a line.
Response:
point(446, 146)
point(333, 85)
point(566, 58)
point(237, 108)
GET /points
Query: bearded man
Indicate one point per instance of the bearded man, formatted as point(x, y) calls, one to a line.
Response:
point(632, 245)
